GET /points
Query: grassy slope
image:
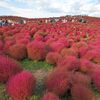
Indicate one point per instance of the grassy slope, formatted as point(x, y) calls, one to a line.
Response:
point(33, 66)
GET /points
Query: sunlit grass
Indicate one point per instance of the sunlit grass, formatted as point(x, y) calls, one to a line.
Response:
point(35, 65)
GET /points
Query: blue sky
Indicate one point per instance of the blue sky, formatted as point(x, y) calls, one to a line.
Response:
point(49, 8)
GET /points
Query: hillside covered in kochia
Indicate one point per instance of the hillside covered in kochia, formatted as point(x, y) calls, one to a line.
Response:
point(57, 56)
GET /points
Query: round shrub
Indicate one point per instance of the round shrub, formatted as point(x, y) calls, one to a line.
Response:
point(57, 81)
point(57, 46)
point(97, 57)
point(69, 52)
point(96, 80)
point(80, 92)
point(80, 78)
point(80, 44)
point(24, 41)
point(93, 55)
point(53, 57)
point(69, 62)
point(17, 51)
point(21, 86)
point(95, 74)
point(86, 66)
point(50, 96)
point(36, 50)
point(7, 45)
point(95, 71)
point(1, 45)
point(8, 68)
point(82, 51)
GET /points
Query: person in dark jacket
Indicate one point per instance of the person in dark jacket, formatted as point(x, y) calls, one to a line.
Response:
point(0, 22)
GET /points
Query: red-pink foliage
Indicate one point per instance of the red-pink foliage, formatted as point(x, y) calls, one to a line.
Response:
point(71, 42)
point(7, 45)
point(17, 51)
point(36, 50)
point(1, 37)
point(8, 68)
point(93, 55)
point(95, 74)
point(9, 38)
point(80, 44)
point(69, 62)
point(83, 51)
point(79, 78)
point(1, 45)
point(53, 57)
point(49, 41)
point(38, 37)
point(64, 41)
point(57, 46)
point(81, 92)
point(57, 81)
point(96, 80)
point(95, 70)
point(69, 52)
point(23, 41)
point(21, 86)
point(86, 65)
point(97, 57)
point(50, 96)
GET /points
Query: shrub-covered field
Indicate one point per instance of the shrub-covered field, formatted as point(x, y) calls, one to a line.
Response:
point(37, 67)
point(50, 61)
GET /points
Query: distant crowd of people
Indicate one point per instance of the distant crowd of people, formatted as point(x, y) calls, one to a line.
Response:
point(63, 20)
point(5, 22)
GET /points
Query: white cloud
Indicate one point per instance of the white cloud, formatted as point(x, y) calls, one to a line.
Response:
point(17, 11)
point(47, 8)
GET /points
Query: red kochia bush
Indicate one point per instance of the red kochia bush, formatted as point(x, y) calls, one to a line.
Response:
point(53, 57)
point(8, 67)
point(96, 80)
point(57, 46)
point(86, 65)
point(69, 52)
point(80, 78)
point(57, 81)
point(95, 74)
point(64, 40)
point(7, 45)
point(36, 50)
point(82, 51)
point(97, 57)
point(93, 55)
point(80, 44)
point(1, 45)
point(81, 92)
point(50, 96)
point(21, 86)
point(17, 51)
point(69, 62)
point(24, 41)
